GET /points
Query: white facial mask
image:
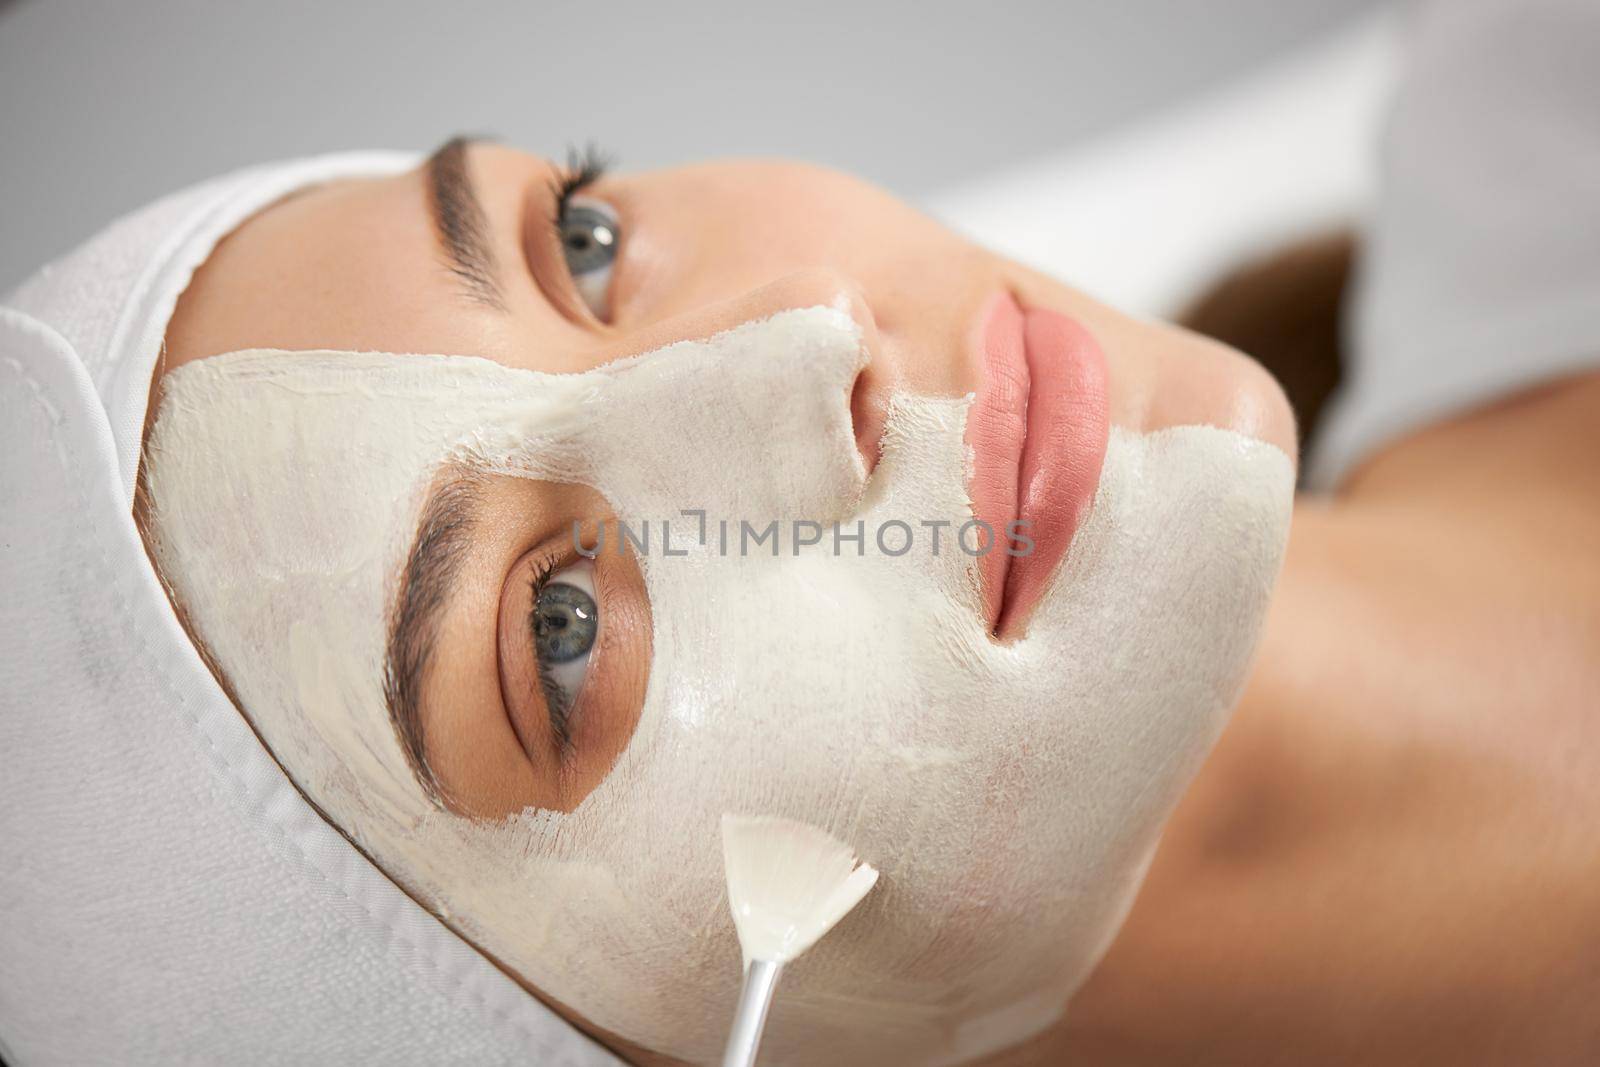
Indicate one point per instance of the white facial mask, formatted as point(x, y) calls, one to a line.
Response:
point(1010, 796)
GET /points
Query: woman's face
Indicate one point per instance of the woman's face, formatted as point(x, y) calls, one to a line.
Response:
point(491, 252)
point(377, 549)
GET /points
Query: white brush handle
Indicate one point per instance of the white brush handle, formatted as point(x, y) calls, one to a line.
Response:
point(760, 978)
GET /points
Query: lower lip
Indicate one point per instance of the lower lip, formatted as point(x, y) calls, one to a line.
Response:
point(1037, 431)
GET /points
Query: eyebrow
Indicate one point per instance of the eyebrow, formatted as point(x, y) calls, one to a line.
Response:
point(460, 224)
point(444, 534)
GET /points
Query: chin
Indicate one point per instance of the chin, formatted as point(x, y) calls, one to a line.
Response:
point(1258, 406)
point(1207, 383)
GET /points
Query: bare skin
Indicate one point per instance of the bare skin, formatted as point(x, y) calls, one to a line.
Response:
point(1392, 855)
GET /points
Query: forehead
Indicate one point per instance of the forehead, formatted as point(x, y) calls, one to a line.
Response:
point(319, 269)
point(355, 266)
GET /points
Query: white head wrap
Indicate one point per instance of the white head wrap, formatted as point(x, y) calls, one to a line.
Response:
point(166, 895)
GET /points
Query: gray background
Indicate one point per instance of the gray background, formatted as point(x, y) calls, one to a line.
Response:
point(106, 105)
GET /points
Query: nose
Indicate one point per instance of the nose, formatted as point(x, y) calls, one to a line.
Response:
point(875, 382)
point(882, 374)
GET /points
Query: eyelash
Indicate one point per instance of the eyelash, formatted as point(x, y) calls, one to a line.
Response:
point(585, 166)
point(555, 701)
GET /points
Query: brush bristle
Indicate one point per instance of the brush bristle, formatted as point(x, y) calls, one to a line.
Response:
point(788, 884)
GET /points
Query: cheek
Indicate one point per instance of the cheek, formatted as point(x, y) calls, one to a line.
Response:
point(704, 235)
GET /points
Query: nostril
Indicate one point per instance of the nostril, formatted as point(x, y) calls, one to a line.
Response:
point(877, 380)
point(869, 412)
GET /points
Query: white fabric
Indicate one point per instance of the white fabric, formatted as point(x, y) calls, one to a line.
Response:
point(1149, 215)
point(166, 896)
point(1482, 268)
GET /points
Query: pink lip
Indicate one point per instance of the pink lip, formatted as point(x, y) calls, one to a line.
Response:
point(1038, 434)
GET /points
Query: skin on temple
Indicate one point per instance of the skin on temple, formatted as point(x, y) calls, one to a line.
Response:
point(1391, 856)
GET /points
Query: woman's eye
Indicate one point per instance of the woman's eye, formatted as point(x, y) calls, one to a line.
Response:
point(589, 238)
point(566, 623)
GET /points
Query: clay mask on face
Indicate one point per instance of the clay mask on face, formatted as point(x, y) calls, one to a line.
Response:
point(1010, 796)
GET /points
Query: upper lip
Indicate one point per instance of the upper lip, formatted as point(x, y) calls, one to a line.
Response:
point(1037, 430)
